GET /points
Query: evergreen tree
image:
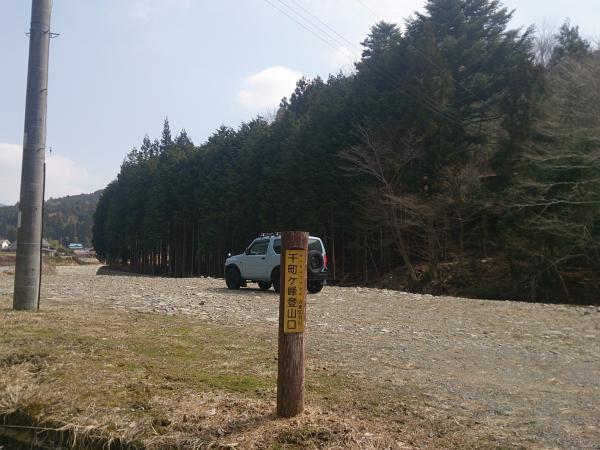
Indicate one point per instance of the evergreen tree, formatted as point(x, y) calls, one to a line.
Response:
point(384, 37)
point(569, 44)
point(166, 141)
point(405, 166)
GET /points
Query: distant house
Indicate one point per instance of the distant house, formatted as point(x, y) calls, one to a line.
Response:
point(85, 253)
point(4, 244)
point(75, 246)
point(12, 247)
point(47, 248)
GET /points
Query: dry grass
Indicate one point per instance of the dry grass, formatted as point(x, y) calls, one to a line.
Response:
point(8, 260)
point(87, 376)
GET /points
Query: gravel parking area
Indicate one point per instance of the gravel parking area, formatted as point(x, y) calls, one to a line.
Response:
point(528, 372)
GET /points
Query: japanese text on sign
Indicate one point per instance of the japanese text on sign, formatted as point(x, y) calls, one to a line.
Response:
point(294, 291)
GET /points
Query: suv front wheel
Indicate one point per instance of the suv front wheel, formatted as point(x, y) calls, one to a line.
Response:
point(275, 279)
point(233, 278)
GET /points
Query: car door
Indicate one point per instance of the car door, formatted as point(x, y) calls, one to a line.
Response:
point(255, 262)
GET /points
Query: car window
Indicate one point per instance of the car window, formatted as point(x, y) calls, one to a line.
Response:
point(259, 247)
point(277, 246)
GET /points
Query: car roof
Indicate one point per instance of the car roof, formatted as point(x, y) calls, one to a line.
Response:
point(278, 236)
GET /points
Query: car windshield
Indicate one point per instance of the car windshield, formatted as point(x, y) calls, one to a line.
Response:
point(313, 244)
point(259, 247)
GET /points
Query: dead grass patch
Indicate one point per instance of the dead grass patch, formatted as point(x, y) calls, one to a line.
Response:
point(91, 376)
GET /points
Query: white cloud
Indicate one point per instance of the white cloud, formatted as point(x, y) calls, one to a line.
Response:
point(266, 88)
point(63, 175)
point(10, 173)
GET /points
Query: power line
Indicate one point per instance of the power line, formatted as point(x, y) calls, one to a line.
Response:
point(369, 9)
point(389, 74)
point(338, 46)
point(425, 100)
point(322, 23)
point(300, 23)
point(434, 106)
point(427, 58)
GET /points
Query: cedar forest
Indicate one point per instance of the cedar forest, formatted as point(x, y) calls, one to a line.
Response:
point(459, 157)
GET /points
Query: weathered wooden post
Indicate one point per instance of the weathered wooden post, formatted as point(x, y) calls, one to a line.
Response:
point(292, 318)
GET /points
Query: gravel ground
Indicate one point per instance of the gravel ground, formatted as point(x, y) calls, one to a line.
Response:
point(530, 372)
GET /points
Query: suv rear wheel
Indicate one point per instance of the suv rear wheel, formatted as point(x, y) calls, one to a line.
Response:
point(315, 288)
point(233, 279)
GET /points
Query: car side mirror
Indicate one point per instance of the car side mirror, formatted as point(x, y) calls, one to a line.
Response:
point(247, 251)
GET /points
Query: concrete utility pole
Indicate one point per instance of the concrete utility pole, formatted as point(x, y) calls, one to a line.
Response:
point(29, 235)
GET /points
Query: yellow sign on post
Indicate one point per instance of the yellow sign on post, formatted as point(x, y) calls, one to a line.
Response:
point(294, 291)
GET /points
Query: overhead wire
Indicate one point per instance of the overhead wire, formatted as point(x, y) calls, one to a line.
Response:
point(431, 61)
point(366, 5)
point(299, 23)
point(323, 23)
point(422, 53)
point(351, 43)
point(430, 104)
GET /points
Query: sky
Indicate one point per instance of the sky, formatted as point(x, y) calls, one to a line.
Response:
point(119, 67)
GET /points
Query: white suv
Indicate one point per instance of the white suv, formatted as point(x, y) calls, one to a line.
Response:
point(260, 264)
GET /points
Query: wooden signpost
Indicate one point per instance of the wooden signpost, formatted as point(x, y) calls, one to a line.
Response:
point(292, 318)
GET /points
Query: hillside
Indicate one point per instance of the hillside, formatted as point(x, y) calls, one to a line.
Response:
point(66, 219)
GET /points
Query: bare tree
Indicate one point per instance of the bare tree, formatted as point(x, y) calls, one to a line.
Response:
point(387, 202)
point(461, 196)
point(555, 197)
point(544, 43)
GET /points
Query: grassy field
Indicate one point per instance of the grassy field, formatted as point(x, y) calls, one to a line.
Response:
point(7, 259)
point(89, 377)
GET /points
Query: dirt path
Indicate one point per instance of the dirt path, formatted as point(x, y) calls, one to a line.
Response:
point(529, 372)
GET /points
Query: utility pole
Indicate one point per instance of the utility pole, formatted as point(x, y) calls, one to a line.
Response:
point(29, 235)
